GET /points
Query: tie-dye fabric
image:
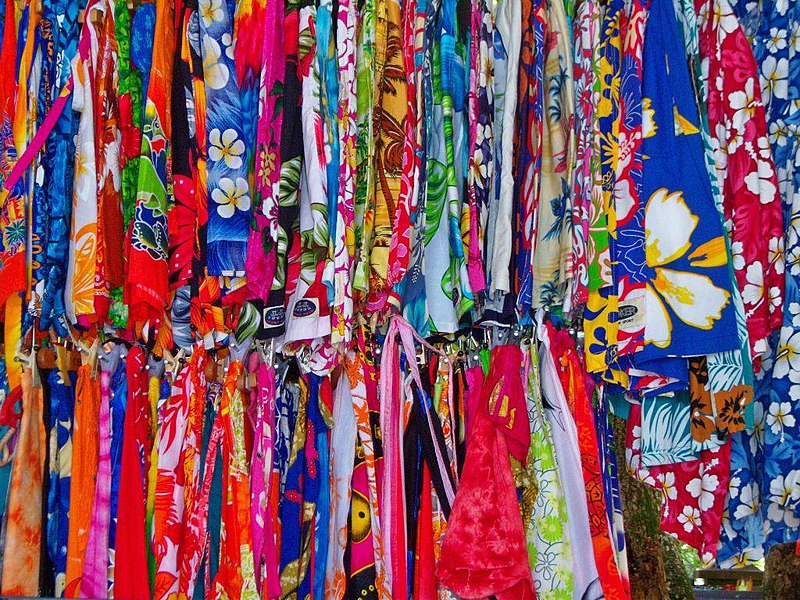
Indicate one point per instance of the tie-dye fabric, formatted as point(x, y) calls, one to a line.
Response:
point(23, 525)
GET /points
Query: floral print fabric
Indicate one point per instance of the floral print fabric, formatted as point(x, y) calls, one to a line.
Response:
point(737, 121)
point(228, 186)
point(693, 492)
point(549, 549)
point(690, 258)
point(320, 260)
point(761, 499)
point(23, 528)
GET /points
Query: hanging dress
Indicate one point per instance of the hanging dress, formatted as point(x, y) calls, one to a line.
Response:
point(23, 529)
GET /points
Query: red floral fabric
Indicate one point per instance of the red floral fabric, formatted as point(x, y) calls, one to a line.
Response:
point(746, 170)
point(693, 492)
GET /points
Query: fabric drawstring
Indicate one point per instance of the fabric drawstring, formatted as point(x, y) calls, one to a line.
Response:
point(393, 517)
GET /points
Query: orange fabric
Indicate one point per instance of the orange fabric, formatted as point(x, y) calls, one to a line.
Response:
point(574, 379)
point(24, 528)
point(85, 451)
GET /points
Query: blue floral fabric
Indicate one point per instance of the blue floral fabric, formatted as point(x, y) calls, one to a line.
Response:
point(764, 495)
point(58, 169)
point(688, 291)
point(228, 187)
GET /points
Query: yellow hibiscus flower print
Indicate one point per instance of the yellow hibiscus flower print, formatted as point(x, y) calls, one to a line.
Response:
point(649, 127)
point(695, 300)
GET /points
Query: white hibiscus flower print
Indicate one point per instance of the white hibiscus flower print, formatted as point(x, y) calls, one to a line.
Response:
point(485, 73)
point(226, 146)
point(695, 300)
point(480, 168)
point(794, 390)
point(735, 139)
point(231, 196)
point(794, 310)
point(754, 288)
point(666, 481)
point(778, 133)
point(787, 354)
point(752, 182)
point(745, 558)
point(793, 257)
point(749, 501)
point(230, 45)
point(784, 490)
point(737, 255)
point(733, 487)
point(703, 489)
point(776, 256)
point(725, 17)
point(779, 417)
point(760, 183)
point(764, 150)
point(775, 74)
point(689, 518)
point(776, 40)
point(744, 103)
point(779, 514)
point(766, 187)
point(775, 296)
point(719, 152)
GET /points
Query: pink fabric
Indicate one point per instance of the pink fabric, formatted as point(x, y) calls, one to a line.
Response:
point(264, 551)
point(392, 503)
point(745, 167)
point(472, 397)
point(41, 136)
point(94, 583)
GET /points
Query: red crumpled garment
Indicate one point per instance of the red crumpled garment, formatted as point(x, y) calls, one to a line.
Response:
point(484, 552)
